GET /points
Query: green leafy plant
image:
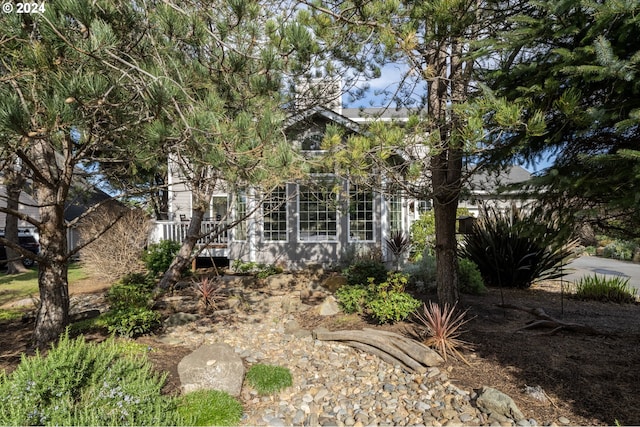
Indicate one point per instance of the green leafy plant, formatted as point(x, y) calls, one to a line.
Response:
point(131, 322)
point(606, 289)
point(469, 278)
point(158, 256)
point(352, 298)
point(80, 383)
point(515, 250)
point(209, 408)
point(261, 271)
point(385, 302)
point(620, 249)
point(360, 271)
point(440, 327)
point(267, 379)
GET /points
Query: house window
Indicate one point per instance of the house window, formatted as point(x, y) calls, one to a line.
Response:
point(360, 215)
point(317, 213)
point(395, 214)
point(240, 230)
point(275, 215)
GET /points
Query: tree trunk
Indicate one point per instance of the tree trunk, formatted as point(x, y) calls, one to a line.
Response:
point(446, 258)
point(185, 254)
point(53, 315)
point(13, 183)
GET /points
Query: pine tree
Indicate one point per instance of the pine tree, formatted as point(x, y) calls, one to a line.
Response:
point(578, 63)
point(439, 43)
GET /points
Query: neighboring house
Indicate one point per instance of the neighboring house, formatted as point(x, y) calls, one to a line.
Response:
point(81, 197)
point(314, 222)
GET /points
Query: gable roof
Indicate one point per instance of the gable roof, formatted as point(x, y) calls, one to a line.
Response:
point(319, 111)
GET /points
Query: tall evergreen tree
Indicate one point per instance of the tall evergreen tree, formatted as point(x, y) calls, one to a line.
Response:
point(579, 63)
point(437, 43)
point(68, 88)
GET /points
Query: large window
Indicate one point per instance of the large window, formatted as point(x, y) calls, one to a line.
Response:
point(275, 215)
point(318, 212)
point(360, 215)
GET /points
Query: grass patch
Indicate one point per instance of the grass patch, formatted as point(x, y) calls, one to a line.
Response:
point(605, 289)
point(19, 286)
point(10, 315)
point(267, 379)
point(209, 408)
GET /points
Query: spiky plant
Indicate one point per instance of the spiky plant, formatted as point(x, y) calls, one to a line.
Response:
point(209, 292)
point(440, 326)
point(398, 243)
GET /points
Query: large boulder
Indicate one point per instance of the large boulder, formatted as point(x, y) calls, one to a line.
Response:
point(212, 367)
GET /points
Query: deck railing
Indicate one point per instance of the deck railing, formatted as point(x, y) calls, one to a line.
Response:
point(177, 231)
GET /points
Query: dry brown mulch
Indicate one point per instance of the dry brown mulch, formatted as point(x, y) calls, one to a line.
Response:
point(590, 379)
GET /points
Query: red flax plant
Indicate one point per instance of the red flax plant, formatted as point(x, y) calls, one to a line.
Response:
point(440, 326)
point(209, 293)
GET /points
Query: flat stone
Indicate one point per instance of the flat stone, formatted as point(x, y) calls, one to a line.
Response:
point(564, 420)
point(212, 367)
point(492, 401)
point(178, 319)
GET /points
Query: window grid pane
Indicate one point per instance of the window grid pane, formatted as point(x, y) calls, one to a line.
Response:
point(318, 215)
point(241, 212)
point(275, 215)
point(395, 214)
point(360, 215)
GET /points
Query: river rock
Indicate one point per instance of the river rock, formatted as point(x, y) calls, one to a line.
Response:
point(212, 367)
point(496, 403)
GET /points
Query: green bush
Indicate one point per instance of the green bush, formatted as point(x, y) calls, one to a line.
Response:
point(130, 314)
point(620, 249)
point(515, 251)
point(422, 270)
point(360, 271)
point(261, 271)
point(78, 383)
point(605, 289)
point(158, 256)
point(209, 408)
point(267, 379)
point(385, 302)
point(131, 322)
point(469, 278)
point(352, 298)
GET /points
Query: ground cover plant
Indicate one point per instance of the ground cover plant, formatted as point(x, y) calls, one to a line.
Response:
point(605, 288)
point(267, 379)
point(209, 408)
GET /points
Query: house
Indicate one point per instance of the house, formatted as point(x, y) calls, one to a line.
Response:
point(314, 222)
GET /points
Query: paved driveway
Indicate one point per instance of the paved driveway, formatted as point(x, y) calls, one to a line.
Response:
point(590, 265)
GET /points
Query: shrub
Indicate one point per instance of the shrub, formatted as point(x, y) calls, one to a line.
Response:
point(352, 298)
point(131, 322)
point(119, 250)
point(360, 271)
point(158, 256)
point(261, 271)
point(422, 270)
point(515, 251)
point(606, 289)
point(469, 278)
point(209, 408)
point(440, 328)
point(620, 249)
point(385, 302)
point(78, 383)
point(267, 379)
point(130, 314)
